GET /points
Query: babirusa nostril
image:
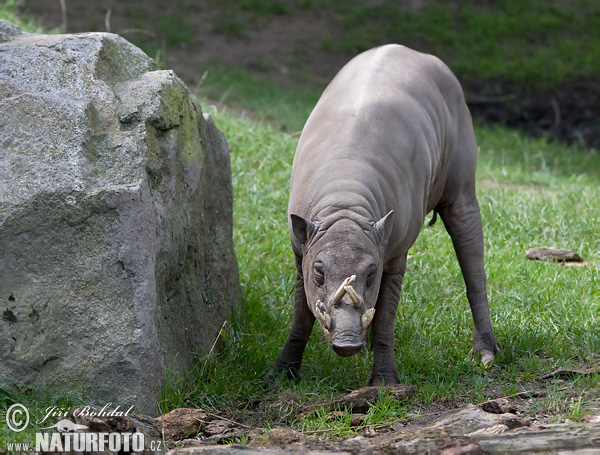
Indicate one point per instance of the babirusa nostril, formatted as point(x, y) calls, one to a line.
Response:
point(346, 349)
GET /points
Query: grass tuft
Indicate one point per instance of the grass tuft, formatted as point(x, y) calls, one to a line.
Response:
point(10, 11)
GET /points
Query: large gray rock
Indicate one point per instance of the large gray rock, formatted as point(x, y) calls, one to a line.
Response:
point(116, 254)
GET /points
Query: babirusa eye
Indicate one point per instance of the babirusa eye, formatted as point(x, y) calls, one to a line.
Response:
point(318, 273)
point(371, 274)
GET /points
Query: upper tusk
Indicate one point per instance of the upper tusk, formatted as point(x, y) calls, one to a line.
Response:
point(337, 297)
point(354, 296)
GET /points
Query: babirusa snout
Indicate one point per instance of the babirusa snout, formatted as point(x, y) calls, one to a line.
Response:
point(324, 314)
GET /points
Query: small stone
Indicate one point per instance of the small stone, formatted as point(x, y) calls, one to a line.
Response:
point(552, 254)
point(499, 406)
point(591, 419)
point(283, 436)
point(216, 427)
point(495, 429)
point(360, 400)
point(462, 448)
point(224, 438)
point(355, 439)
point(370, 432)
point(182, 423)
point(398, 426)
point(357, 419)
point(333, 415)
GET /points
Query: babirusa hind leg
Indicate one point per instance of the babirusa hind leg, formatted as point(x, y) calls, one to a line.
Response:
point(463, 222)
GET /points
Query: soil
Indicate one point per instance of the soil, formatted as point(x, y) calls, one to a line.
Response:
point(288, 49)
point(503, 425)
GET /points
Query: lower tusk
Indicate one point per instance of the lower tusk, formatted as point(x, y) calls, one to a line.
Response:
point(313, 306)
point(323, 317)
point(326, 321)
point(354, 296)
point(367, 317)
point(320, 307)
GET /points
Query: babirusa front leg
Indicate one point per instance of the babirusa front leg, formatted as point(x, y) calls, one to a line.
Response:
point(290, 359)
point(382, 329)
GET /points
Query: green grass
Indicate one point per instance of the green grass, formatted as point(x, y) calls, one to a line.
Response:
point(175, 29)
point(264, 101)
point(38, 402)
point(530, 42)
point(235, 17)
point(531, 192)
point(533, 43)
point(536, 41)
point(10, 11)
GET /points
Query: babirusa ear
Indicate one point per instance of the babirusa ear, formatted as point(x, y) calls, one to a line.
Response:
point(302, 228)
point(383, 227)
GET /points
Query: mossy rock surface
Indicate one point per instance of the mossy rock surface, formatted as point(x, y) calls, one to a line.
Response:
point(115, 219)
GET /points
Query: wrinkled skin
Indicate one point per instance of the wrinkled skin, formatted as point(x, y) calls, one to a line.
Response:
point(390, 140)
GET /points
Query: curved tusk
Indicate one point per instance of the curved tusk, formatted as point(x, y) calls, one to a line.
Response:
point(325, 321)
point(313, 306)
point(323, 317)
point(367, 317)
point(320, 307)
point(354, 296)
point(337, 297)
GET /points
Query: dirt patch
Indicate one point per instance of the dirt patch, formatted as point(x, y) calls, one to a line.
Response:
point(435, 426)
point(292, 48)
point(495, 426)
